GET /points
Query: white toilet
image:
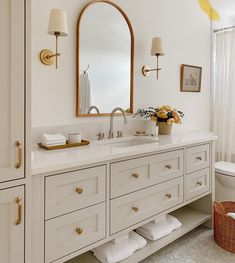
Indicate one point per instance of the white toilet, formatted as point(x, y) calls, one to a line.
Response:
point(225, 181)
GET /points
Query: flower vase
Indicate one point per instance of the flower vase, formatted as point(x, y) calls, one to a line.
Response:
point(164, 128)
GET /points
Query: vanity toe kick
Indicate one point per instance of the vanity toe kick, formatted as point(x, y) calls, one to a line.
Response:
point(134, 208)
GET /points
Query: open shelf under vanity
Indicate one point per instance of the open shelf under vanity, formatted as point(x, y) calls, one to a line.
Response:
point(190, 219)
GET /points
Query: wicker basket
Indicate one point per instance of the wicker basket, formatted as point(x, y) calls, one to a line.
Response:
point(224, 226)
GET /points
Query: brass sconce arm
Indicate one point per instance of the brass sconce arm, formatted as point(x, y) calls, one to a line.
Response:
point(146, 70)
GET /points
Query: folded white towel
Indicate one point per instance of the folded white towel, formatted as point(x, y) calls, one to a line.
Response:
point(157, 231)
point(120, 239)
point(53, 137)
point(232, 215)
point(160, 219)
point(113, 253)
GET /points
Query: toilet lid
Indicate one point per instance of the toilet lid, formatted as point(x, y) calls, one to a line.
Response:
point(225, 168)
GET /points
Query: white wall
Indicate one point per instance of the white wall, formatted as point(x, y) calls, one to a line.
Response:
point(185, 30)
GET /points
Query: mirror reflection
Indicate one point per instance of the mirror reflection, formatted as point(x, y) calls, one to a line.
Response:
point(105, 60)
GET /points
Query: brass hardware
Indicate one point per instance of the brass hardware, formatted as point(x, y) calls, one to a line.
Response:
point(146, 70)
point(79, 231)
point(46, 57)
point(135, 209)
point(79, 191)
point(199, 158)
point(19, 162)
point(19, 203)
point(169, 167)
point(135, 175)
point(169, 196)
point(199, 183)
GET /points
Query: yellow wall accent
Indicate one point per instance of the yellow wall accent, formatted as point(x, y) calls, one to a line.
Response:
point(209, 10)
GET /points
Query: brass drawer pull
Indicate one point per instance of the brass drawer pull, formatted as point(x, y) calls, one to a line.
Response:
point(169, 167)
point(135, 209)
point(19, 203)
point(79, 191)
point(169, 196)
point(199, 158)
point(135, 175)
point(199, 183)
point(19, 162)
point(79, 231)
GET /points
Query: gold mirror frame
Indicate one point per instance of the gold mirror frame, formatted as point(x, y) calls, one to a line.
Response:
point(78, 114)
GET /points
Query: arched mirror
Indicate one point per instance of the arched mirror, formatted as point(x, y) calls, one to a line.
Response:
point(105, 60)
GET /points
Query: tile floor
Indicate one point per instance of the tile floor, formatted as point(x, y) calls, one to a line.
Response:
point(195, 247)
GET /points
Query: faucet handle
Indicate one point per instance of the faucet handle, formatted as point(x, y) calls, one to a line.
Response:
point(111, 135)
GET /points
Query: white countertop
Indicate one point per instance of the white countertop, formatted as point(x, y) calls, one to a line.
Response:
point(49, 162)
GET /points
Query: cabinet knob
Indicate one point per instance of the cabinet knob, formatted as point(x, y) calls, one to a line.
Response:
point(199, 158)
point(169, 196)
point(135, 175)
point(135, 209)
point(79, 231)
point(168, 166)
point(199, 183)
point(19, 162)
point(79, 191)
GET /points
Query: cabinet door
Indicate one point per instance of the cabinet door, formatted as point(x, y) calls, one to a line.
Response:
point(11, 89)
point(12, 225)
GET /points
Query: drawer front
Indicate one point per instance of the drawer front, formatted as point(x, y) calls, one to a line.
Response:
point(136, 174)
point(69, 233)
point(198, 158)
point(72, 191)
point(197, 183)
point(133, 208)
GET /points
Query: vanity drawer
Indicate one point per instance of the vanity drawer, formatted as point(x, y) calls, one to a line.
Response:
point(133, 175)
point(133, 208)
point(198, 158)
point(197, 183)
point(69, 233)
point(76, 190)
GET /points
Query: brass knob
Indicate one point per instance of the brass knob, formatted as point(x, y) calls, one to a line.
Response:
point(168, 167)
point(79, 231)
point(135, 209)
point(79, 191)
point(199, 158)
point(199, 183)
point(169, 196)
point(135, 175)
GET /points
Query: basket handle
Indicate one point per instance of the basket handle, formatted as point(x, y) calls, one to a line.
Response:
point(220, 205)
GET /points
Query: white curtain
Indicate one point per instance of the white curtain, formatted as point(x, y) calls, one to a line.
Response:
point(224, 95)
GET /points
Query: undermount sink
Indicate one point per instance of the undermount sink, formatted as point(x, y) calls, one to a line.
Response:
point(127, 142)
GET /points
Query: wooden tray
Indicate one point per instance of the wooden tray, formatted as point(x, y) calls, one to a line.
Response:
point(67, 145)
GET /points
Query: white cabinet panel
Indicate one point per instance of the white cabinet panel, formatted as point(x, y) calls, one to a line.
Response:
point(11, 232)
point(11, 87)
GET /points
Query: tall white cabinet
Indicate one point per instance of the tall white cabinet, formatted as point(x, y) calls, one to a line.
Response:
point(12, 168)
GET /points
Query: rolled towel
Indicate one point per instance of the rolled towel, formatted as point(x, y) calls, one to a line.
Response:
point(120, 239)
point(157, 231)
point(232, 215)
point(113, 253)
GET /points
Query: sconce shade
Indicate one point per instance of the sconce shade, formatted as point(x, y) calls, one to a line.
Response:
point(58, 24)
point(157, 47)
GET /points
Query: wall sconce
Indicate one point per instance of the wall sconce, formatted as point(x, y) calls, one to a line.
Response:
point(156, 50)
point(58, 26)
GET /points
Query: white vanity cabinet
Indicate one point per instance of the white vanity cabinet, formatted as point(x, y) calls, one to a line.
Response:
point(12, 225)
point(79, 209)
point(12, 90)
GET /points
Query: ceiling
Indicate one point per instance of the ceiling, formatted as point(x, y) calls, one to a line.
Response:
point(224, 7)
